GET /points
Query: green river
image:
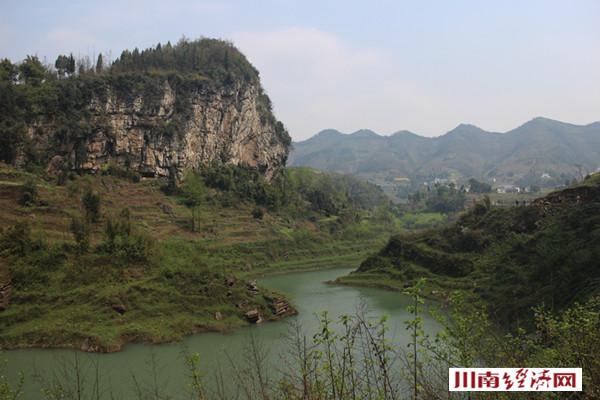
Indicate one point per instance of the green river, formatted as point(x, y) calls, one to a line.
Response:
point(143, 368)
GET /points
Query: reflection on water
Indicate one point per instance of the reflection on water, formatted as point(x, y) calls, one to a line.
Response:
point(163, 368)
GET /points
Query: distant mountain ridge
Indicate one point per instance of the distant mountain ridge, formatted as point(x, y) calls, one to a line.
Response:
point(521, 155)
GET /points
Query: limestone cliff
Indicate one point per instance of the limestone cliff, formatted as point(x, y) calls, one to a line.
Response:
point(149, 122)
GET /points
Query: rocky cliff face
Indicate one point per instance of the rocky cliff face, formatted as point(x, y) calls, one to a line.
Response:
point(232, 124)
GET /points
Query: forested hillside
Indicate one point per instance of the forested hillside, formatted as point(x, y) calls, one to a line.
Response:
point(542, 152)
point(508, 259)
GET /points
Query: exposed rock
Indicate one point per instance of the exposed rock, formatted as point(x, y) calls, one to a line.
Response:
point(231, 280)
point(120, 308)
point(89, 347)
point(280, 306)
point(228, 123)
point(574, 195)
point(107, 184)
point(252, 288)
point(253, 317)
point(166, 209)
point(252, 285)
point(56, 164)
point(218, 316)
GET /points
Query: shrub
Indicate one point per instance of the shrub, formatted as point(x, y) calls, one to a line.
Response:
point(16, 239)
point(81, 233)
point(422, 221)
point(258, 212)
point(114, 169)
point(29, 197)
point(123, 241)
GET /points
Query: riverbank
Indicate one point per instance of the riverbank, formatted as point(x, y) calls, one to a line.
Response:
point(322, 259)
point(139, 274)
point(432, 289)
point(90, 346)
point(154, 309)
point(108, 328)
point(220, 355)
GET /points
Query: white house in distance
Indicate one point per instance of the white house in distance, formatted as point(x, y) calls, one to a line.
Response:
point(508, 189)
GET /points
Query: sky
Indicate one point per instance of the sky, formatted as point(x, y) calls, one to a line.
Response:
point(425, 66)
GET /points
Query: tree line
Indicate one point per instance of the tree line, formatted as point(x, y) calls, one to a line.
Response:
point(213, 58)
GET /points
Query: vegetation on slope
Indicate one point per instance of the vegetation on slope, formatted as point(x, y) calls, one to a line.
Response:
point(531, 271)
point(510, 259)
point(102, 260)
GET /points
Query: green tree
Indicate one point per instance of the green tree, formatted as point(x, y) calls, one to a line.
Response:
point(99, 64)
point(80, 154)
point(91, 205)
point(81, 233)
point(172, 181)
point(62, 65)
point(12, 133)
point(479, 187)
point(258, 212)
point(71, 65)
point(32, 71)
point(8, 71)
point(193, 194)
point(124, 242)
point(447, 199)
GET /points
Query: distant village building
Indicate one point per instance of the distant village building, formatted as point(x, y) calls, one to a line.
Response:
point(508, 189)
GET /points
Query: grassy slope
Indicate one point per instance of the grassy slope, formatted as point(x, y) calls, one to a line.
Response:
point(509, 258)
point(177, 293)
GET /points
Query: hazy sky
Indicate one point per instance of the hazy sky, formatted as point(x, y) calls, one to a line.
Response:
point(420, 65)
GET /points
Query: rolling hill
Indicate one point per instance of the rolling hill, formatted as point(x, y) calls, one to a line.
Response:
point(510, 258)
point(520, 156)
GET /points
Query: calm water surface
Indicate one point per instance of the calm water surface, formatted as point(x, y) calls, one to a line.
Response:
point(142, 367)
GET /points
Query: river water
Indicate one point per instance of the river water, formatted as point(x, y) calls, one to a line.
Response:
point(162, 369)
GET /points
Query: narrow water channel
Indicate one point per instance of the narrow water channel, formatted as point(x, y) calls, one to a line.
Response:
point(162, 368)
